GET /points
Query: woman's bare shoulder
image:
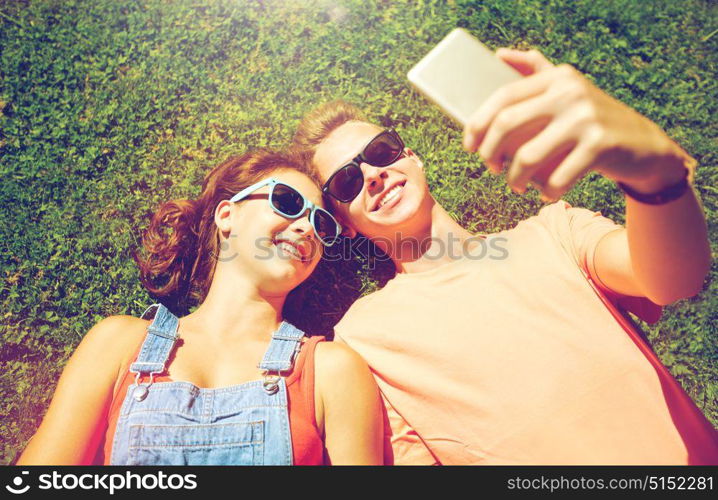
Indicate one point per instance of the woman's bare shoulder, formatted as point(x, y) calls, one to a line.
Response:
point(116, 336)
point(119, 328)
point(336, 358)
point(348, 406)
point(69, 431)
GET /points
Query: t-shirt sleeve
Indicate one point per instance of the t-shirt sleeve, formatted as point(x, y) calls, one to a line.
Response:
point(586, 228)
point(579, 230)
point(402, 445)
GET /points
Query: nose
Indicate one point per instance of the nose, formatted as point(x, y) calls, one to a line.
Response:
point(374, 177)
point(302, 226)
point(309, 242)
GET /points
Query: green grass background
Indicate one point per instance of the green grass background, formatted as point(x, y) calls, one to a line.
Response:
point(108, 108)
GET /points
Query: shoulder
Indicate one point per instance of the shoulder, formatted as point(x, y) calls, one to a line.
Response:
point(566, 222)
point(363, 305)
point(337, 357)
point(71, 429)
point(342, 377)
point(112, 340)
point(548, 215)
point(557, 207)
point(338, 367)
point(117, 329)
point(562, 211)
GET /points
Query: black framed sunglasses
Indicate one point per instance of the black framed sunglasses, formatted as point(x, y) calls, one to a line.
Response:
point(346, 183)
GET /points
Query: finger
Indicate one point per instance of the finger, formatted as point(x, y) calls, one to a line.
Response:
point(548, 147)
point(568, 173)
point(526, 62)
point(513, 126)
point(507, 95)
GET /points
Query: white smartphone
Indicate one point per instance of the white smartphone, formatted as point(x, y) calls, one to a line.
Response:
point(459, 74)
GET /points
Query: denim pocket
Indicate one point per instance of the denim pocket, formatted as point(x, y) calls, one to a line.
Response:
point(199, 444)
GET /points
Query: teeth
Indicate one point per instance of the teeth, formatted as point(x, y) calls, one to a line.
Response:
point(390, 195)
point(290, 249)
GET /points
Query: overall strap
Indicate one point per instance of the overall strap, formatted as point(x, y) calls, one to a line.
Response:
point(157, 346)
point(282, 349)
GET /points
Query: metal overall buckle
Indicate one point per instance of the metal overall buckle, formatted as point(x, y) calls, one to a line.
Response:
point(141, 391)
point(270, 383)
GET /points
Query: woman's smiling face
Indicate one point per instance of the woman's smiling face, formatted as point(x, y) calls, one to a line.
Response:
point(390, 197)
point(276, 252)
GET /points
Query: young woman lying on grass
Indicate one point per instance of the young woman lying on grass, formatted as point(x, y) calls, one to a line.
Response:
point(177, 391)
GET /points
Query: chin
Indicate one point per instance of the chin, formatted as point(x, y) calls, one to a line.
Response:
point(280, 284)
point(291, 273)
point(405, 212)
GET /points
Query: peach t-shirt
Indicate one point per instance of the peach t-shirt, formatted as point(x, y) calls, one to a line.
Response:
point(522, 360)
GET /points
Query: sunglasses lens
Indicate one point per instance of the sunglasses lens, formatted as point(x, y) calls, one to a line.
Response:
point(287, 200)
point(347, 183)
point(325, 226)
point(383, 150)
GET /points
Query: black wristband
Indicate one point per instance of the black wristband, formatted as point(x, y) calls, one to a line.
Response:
point(661, 197)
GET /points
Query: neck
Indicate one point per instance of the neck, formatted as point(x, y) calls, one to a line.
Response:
point(236, 309)
point(433, 243)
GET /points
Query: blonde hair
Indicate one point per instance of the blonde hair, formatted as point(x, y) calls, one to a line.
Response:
point(319, 123)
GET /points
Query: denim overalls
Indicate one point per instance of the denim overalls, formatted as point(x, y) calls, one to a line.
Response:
point(178, 423)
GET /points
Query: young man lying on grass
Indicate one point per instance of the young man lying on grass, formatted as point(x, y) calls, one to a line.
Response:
point(515, 352)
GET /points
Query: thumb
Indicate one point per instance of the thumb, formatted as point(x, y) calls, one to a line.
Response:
point(526, 62)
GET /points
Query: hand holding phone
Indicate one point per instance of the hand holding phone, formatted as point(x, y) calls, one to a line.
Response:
point(459, 74)
point(550, 127)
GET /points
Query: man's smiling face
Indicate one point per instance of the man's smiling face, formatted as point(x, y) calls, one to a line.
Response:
point(391, 196)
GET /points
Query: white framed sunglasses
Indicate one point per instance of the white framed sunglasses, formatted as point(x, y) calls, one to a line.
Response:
point(290, 203)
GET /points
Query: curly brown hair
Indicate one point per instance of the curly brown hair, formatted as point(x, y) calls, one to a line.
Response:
point(179, 249)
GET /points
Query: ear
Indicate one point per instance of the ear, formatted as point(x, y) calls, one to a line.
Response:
point(413, 156)
point(222, 217)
